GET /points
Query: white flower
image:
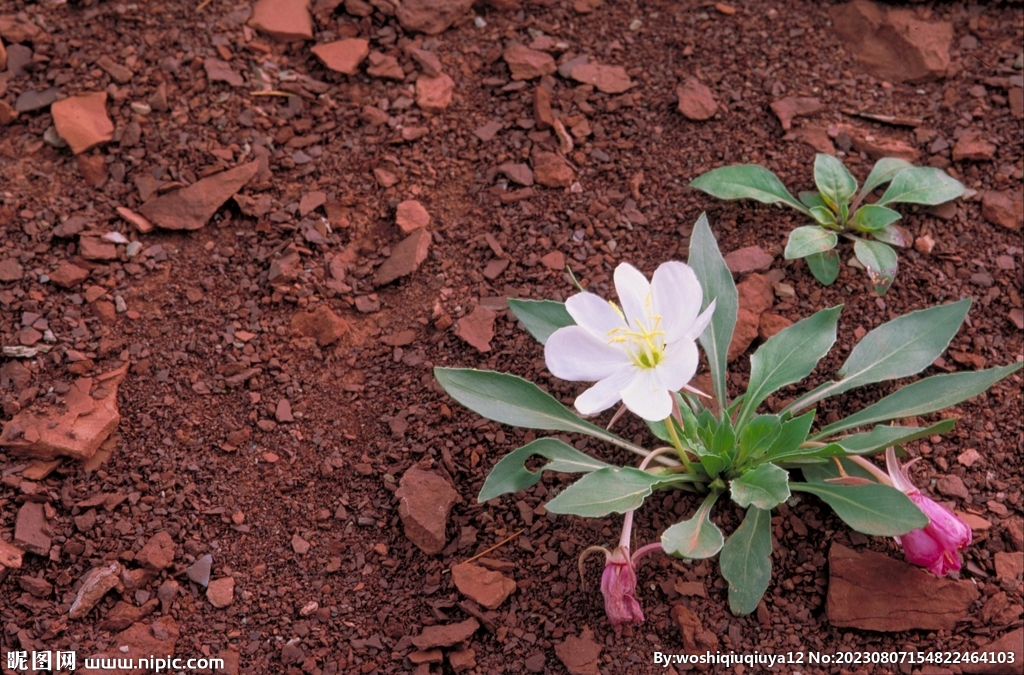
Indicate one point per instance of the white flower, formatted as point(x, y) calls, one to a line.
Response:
point(639, 354)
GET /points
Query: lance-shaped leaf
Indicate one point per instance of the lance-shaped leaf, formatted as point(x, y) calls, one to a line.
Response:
point(793, 434)
point(829, 471)
point(922, 185)
point(810, 199)
point(878, 510)
point(746, 561)
point(880, 261)
point(824, 216)
point(899, 348)
point(833, 180)
point(894, 235)
point(789, 356)
point(511, 400)
point(925, 396)
point(884, 436)
point(747, 181)
point(808, 240)
point(757, 436)
point(871, 217)
point(510, 475)
point(716, 282)
point(612, 489)
point(824, 266)
point(884, 171)
point(765, 487)
point(541, 317)
point(697, 537)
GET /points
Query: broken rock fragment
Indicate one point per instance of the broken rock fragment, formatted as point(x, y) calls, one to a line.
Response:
point(696, 102)
point(158, 553)
point(425, 501)
point(285, 20)
point(31, 529)
point(95, 584)
point(323, 325)
point(190, 207)
point(411, 215)
point(89, 417)
point(406, 257)
point(1005, 209)
point(579, 655)
point(430, 16)
point(794, 106)
point(140, 641)
point(551, 170)
point(486, 587)
point(893, 44)
point(608, 79)
point(435, 93)
point(82, 121)
point(871, 591)
point(477, 328)
point(526, 63)
point(343, 56)
point(434, 637)
point(221, 592)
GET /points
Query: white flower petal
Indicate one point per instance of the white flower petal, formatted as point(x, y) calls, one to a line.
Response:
point(676, 296)
point(679, 365)
point(605, 393)
point(647, 397)
point(634, 293)
point(574, 353)
point(594, 313)
point(696, 329)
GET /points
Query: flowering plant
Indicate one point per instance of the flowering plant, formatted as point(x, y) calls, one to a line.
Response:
point(837, 209)
point(643, 352)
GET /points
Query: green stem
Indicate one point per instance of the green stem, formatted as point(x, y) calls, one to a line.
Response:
point(679, 444)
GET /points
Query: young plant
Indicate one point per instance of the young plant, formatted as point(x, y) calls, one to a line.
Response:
point(839, 210)
point(643, 353)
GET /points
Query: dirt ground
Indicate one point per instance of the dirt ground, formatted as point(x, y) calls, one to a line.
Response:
point(276, 445)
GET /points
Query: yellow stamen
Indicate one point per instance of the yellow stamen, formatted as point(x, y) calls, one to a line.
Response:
point(648, 344)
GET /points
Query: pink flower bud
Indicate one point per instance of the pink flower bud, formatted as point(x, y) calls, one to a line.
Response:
point(936, 546)
point(618, 583)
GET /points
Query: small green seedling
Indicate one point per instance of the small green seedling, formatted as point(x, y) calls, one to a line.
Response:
point(839, 210)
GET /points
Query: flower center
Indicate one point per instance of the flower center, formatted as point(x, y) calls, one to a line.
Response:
point(645, 345)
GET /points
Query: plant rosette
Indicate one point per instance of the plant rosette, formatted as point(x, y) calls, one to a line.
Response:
point(643, 352)
point(839, 210)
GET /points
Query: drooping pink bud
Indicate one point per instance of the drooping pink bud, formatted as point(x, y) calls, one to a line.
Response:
point(936, 546)
point(618, 584)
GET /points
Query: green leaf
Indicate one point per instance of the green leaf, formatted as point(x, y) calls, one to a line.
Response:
point(746, 181)
point(884, 171)
point(611, 489)
point(878, 510)
point(833, 180)
point(541, 317)
point(811, 199)
point(697, 537)
point(716, 282)
point(923, 397)
point(922, 185)
point(871, 217)
point(793, 434)
point(765, 487)
point(511, 400)
point(880, 261)
point(823, 215)
point(899, 348)
point(746, 561)
point(723, 443)
point(808, 240)
point(884, 436)
point(757, 436)
point(789, 356)
point(510, 475)
point(820, 473)
point(891, 235)
point(824, 266)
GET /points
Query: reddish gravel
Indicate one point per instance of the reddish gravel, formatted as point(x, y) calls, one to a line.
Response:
point(280, 346)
